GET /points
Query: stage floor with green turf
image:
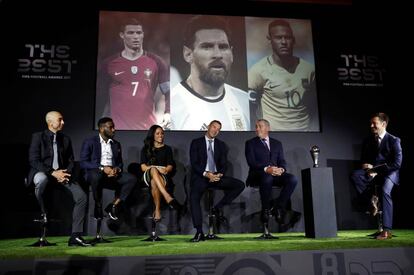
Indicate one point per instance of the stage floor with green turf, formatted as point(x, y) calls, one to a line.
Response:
point(180, 245)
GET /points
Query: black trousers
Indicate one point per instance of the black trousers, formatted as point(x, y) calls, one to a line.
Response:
point(232, 188)
point(123, 184)
point(286, 181)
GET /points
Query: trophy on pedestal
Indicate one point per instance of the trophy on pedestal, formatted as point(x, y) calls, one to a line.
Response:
point(314, 150)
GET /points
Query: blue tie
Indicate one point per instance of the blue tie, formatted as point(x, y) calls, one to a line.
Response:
point(265, 144)
point(210, 157)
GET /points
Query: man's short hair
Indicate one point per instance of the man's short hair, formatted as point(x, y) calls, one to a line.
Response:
point(279, 22)
point(263, 120)
point(130, 21)
point(215, 121)
point(204, 22)
point(382, 117)
point(104, 120)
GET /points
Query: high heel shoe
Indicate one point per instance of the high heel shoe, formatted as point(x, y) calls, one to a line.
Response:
point(174, 204)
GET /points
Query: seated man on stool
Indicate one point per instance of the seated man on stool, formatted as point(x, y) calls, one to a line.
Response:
point(379, 148)
point(208, 158)
point(101, 158)
point(267, 167)
point(51, 161)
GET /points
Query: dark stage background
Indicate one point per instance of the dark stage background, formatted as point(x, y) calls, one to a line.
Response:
point(344, 104)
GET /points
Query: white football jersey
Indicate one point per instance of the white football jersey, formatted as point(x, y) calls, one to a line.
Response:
point(191, 111)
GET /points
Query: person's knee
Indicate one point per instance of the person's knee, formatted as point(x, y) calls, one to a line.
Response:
point(40, 178)
point(266, 180)
point(154, 172)
point(94, 177)
point(291, 180)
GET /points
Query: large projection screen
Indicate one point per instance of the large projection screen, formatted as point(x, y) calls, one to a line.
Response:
point(182, 71)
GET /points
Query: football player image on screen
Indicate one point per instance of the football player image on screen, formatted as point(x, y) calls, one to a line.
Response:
point(284, 83)
point(134, 75)
point(204, 96)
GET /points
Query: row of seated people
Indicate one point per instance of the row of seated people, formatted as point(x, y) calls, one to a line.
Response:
point(51, 159)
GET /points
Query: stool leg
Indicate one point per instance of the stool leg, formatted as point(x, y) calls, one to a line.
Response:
point(153, 237)
point(211, 218)
point(98, 237)
point(43, 228)
point(266, 233)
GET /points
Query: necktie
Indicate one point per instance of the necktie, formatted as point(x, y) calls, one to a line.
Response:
point(210, 157)
point(378, 141)
point(55, 164)
point(265, 143)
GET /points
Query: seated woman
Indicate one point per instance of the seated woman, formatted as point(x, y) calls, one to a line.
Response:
point(157, 163)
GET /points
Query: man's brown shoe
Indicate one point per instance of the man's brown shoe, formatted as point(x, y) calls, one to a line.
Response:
point(386, 234)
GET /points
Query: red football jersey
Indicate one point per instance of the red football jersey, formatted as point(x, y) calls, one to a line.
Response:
point(132, 88)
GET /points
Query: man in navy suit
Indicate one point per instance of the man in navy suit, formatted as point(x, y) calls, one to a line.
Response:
point(380, 148)
point(101, 158)
point(51, 161)
point(208, 158)
point(267, 165)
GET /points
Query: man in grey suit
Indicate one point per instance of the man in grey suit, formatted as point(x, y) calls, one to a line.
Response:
point(51, 161)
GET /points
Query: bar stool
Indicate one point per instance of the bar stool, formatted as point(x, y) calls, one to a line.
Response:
point(266, 235)
point(212, 219)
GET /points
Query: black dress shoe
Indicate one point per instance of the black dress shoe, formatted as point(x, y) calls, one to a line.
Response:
point(199, 236)
point(78, 241)
point(112, 211)
point(218, 213)
point(174, 204)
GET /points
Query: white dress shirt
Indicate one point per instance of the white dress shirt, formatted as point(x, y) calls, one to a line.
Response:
point(106, 152)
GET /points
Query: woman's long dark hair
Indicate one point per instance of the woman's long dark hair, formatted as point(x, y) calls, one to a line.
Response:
point(149, 143)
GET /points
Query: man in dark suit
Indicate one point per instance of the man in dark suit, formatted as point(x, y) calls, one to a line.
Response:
point(51, 161)
point(101, 159)
point(379, 148)
point(208, 158)
point(267, 167)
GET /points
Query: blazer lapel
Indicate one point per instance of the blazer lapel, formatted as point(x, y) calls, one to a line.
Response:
point(98, 145)
point(114, 149)
point(48, 141)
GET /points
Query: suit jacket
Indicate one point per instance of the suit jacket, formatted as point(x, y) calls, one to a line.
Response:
point(91, 152)
point(258, 156)
point(41, 153)
point(198, 156)
point(389, 152)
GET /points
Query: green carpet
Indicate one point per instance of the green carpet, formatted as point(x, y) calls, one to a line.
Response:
point(179, 244)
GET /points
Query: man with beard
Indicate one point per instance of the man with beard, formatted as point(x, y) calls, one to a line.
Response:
point(381, 159)
point(203, 96)
point(101, 159)
point(134, 75)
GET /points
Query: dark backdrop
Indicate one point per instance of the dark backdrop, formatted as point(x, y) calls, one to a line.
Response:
point(344, 110)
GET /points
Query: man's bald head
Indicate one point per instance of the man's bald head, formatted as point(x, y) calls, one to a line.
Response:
point(54, 121)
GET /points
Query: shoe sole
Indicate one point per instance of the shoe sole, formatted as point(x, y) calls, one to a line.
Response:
point(112, 217)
